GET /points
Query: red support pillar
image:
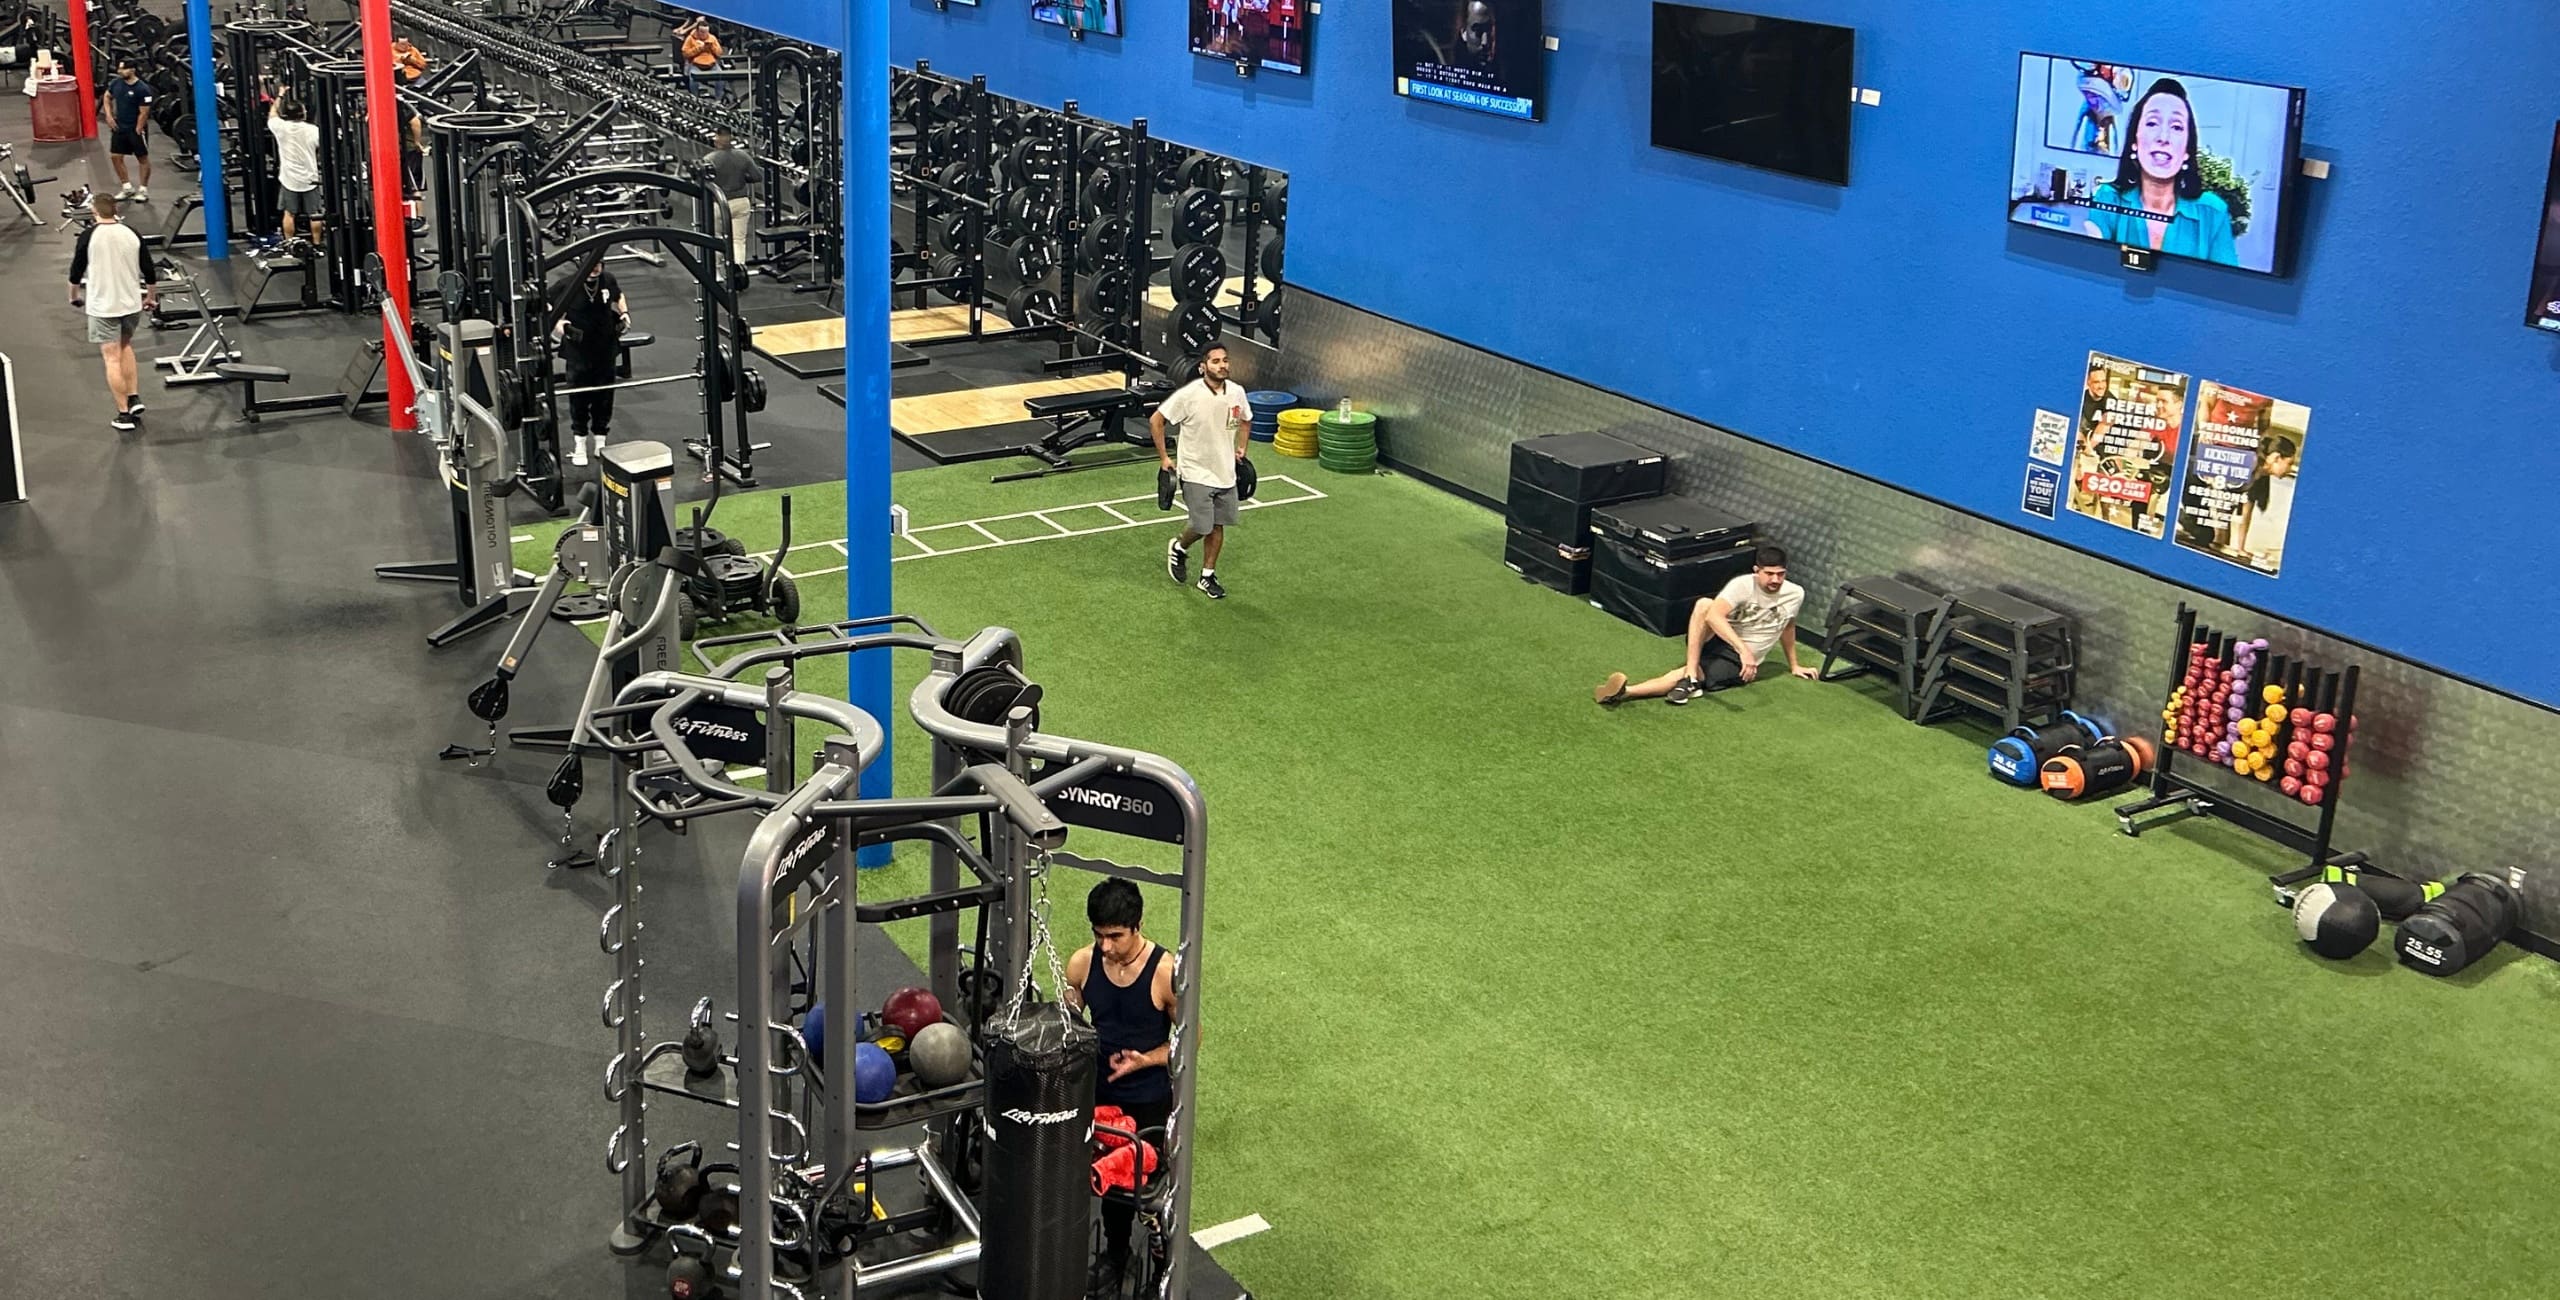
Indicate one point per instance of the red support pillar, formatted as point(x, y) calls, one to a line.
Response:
point(88, 76)
point(390, 208)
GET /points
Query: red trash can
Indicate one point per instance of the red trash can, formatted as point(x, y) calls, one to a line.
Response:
point(57, 109)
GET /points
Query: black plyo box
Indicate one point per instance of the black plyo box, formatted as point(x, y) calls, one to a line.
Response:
point(1655, 614)
point(1588, 468)
point(1672, 527)
point(1561, 520)
point(1681, 581)
point(1542, 561)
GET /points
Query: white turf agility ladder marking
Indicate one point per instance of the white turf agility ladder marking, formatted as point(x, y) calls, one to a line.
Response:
point(1212, 1238)
point(987, 540)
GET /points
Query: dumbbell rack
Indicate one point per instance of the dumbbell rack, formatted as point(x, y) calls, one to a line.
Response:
point(2324, 690)
point(1882, 624)
point(1991, 651)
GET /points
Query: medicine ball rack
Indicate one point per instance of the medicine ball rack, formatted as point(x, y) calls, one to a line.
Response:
point(2322, 690)
point(804, 1193)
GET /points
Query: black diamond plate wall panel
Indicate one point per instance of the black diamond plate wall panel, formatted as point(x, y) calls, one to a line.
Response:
point(2449, 777)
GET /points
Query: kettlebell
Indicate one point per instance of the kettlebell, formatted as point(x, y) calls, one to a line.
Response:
point(680, 1186)
point(689, 1278)
point(701, 1047)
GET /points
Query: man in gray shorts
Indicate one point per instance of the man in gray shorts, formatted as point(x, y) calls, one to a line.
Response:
point(1212, 426)
point(111, 279)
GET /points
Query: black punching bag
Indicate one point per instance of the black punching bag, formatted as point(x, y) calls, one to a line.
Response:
point(1039, 1168)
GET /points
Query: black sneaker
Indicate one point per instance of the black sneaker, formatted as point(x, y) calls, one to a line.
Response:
point(1110, 1273)
point(1612, 692)
point(1209, 585)
point(133, 407)
point(1684, 690)
point(1177, 561)
point(125, 422)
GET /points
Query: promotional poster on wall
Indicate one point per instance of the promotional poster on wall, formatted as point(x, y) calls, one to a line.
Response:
point(2050, 438)
point(2238, 495)
point(2127, 450)
point(2044, 486)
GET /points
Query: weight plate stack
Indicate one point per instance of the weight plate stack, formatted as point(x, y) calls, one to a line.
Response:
point(1347, 444)
point(1296, 434)
point(1267, 405)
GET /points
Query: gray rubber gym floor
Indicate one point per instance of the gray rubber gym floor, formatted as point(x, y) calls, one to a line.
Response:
point(296, 1008)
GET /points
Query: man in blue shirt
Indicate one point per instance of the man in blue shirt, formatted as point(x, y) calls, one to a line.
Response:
point(128, 112)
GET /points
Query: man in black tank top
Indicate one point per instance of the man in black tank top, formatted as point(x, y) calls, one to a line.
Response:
point(1126, 984)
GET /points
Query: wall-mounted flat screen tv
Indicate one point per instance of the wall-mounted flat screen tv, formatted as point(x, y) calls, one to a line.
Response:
point(1100, 17)
point(1765, 92)
point(2186, 166)
point(2542, 307)
point(1487, 55)
point(1269, 34)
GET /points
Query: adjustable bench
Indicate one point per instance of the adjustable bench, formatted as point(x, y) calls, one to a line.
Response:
point(1078, 419)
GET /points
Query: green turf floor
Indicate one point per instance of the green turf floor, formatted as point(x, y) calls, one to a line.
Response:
point(1775, 995)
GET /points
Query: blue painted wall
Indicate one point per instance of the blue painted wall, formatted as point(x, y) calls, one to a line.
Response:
point(1898, 327)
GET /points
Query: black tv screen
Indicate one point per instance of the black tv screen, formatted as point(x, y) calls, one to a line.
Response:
point(2542, 305)
point(1101, 17)
point(1268, 34)
point(1765, 92)
point(2195, 167)
point(1487, 55)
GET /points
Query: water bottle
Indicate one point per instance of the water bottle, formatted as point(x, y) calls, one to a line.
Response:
point(1343, 412)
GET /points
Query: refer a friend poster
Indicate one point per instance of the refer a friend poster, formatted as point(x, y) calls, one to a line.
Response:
point(2238, 496)
point(2127, 449)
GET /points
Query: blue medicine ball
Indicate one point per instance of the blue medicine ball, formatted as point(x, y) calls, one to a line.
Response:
point(874, 1074)
point(813, 1031)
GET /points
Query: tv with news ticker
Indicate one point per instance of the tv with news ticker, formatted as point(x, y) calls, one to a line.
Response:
point(1100, 17)
point(1772, 93)
point(2542, 300)
point(1267, 34)
point(1485, 55)
point(2202, 168)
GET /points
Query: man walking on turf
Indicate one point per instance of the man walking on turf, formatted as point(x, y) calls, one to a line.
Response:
point(128, 111)
point(1730, 635)
point(1126, 984)
point(1210, 421)
point(111, 276)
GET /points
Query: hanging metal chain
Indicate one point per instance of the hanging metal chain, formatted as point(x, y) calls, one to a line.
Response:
point(1041, 943)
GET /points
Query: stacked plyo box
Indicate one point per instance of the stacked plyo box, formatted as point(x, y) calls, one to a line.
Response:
point(1652, 560)
point(1556, 482)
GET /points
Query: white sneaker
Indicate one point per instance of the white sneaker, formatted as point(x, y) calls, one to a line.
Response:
point(142, 194)
point(578, 449)
point(124, 191)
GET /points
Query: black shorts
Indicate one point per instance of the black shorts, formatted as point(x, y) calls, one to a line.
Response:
point(1719, 666)
point(127, 141)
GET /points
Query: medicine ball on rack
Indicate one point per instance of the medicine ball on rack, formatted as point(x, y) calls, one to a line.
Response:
point(2460, 926)
point(2336, 921)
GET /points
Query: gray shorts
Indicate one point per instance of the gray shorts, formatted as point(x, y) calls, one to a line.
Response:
point(301, 203)
point(1208, 508)
point(114, 329)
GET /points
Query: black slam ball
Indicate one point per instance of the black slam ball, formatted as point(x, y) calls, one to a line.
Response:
point(2338, 921)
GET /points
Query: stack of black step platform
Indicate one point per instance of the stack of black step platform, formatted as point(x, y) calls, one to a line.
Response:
point(1653, 559)
point(1556, 480)
point(2008, 657)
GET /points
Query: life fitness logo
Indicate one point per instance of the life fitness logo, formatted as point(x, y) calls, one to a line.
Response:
point(1105, 801)
point(690, 727)
point(1020, 1116)
point(791, 860)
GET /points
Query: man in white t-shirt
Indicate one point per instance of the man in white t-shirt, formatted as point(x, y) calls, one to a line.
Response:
point(1730, 635)
point(1214, 426)
point(297, 164)
point(112, 274)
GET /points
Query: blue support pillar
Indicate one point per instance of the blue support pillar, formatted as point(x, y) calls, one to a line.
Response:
point(217, 205)
point(866, 359)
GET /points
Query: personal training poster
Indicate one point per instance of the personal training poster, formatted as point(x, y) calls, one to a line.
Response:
point(2237, 499)
point(2130, 415)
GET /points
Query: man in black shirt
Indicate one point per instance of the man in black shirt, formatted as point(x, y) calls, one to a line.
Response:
point(1126, 984)
point(128, 111)
point(589, 339)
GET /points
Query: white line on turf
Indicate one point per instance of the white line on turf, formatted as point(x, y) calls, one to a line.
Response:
point(1212, 1238)
point(926, 550)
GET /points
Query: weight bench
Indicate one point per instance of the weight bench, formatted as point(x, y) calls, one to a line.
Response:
point(1079, 419)
point(252, 406)
point(631, 339)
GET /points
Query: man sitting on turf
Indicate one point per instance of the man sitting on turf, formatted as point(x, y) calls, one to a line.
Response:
point(1729, 635)
point(1129, 993)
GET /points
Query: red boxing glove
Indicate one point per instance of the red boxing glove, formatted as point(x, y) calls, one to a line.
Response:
point(1120, 1169)
point(1112, 1117)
